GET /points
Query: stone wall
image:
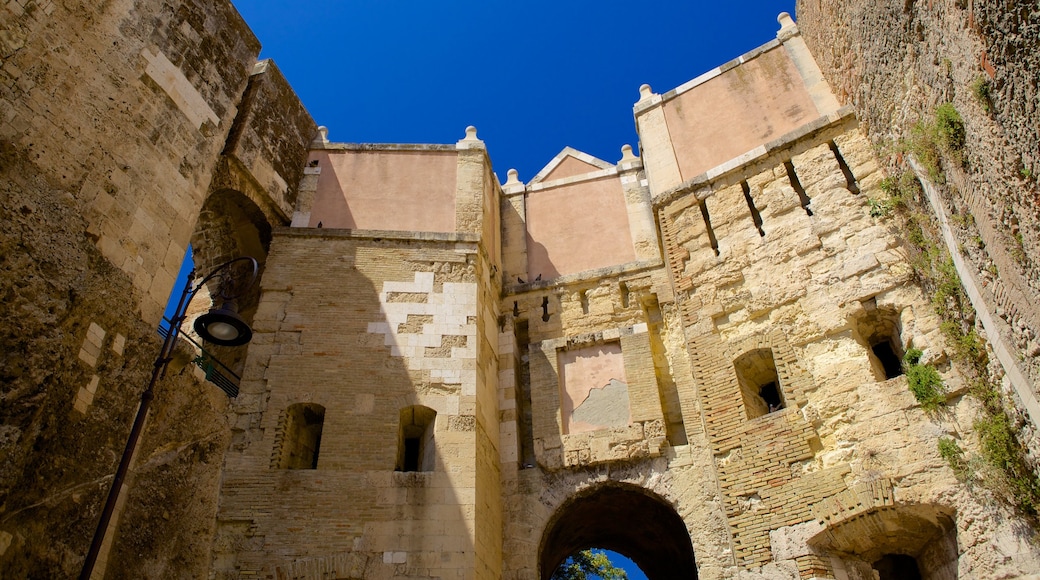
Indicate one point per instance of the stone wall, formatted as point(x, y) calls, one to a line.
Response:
point(333, 350)
point(895, 62)
point(391, 340)
point(115, 118)
point(403, 408)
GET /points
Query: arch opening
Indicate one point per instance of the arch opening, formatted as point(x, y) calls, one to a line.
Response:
point(897, 542)
point(759, 382)
point(879, 329)
point(299, 437)
point(230, 226)
point(622, 518)
point(415, 446)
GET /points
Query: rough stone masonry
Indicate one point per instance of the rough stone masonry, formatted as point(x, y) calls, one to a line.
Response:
point(690, 356)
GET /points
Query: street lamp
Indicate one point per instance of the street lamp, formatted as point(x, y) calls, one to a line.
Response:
point(222, 326)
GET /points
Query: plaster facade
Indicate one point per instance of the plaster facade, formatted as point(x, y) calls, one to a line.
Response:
point(674, 356)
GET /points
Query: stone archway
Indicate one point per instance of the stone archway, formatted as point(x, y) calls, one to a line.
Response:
point(622, 518)
point(894, 540)
point(230, 225)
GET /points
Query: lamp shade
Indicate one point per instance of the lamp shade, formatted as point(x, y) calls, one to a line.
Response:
point(223, 326)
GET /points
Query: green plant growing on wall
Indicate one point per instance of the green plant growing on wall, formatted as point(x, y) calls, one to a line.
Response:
point(954, 456)
point(1001, 464)
point(922, 145)
point(980, 89)
point(924, 381)
point(897, 193)
point(1003, 451)
point(932, 139)
point(880, 207)
point(949, 131)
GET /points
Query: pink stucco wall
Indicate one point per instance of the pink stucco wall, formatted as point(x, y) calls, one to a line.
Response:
point(581, 371)
point(570, 167)
point(577, 227)
point(733, 113)
point(385, 190)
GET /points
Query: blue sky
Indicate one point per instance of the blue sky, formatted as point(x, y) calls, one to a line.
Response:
point(532, 76)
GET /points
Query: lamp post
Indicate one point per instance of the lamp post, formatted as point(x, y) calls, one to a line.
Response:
point(222, 326)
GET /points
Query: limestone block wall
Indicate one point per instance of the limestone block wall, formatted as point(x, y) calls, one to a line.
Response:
point(131, 119)
point(392, 338)
point(269, 139)
point(788, 260)
point(895, 62)
point(613, 322)
point(363, 326)
point(114, 119)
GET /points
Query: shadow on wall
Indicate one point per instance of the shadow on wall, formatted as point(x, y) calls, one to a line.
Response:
point(346, 415)
point(538, 259)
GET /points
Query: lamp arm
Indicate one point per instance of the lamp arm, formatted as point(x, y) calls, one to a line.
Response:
point(182, 309)
point(256, 270)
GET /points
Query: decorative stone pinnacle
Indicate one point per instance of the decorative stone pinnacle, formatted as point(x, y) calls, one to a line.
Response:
point(323, 134)
point(645, 92)
point(471, 134)
point(785, 20)
point(626, 154)
point(512, 177)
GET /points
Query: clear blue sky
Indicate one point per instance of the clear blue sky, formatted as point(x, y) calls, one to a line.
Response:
point(533, 76)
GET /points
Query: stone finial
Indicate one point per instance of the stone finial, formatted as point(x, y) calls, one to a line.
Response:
point(470, 141)
point(626, 154)
point(512, 177)
point(645, 92)
point(785, 20)
point(323, 134)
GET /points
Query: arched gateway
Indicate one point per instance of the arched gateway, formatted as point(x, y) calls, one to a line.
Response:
point(622, 518)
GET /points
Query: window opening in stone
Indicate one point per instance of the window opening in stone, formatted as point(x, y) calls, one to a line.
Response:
point(584, 297)
point(707, 225)
point(624, 295)
point(897, 567)
point(411, 454)
point(299, 439)
point(850, 179)
point(545, 309)
point(759, 383)
point(803, 197)
point(415, 447)
point(879, 329)
point(771, 395)
point(755, 216)
point(889, 359)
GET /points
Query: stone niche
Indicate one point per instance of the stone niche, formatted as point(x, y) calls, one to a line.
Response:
point(593, 389)
point(602, 395)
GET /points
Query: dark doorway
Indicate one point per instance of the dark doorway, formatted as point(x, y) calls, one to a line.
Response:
point(897, 567)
